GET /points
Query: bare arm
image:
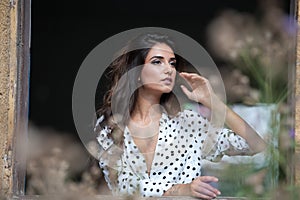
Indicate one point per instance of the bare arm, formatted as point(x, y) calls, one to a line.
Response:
point(242, 128)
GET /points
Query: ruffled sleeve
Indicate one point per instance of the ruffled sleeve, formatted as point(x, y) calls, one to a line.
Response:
point(214, 142)
point(103, 139)
point(107, 154)
point(227, 143)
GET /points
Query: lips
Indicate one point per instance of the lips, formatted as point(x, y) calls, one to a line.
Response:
point(167, 81)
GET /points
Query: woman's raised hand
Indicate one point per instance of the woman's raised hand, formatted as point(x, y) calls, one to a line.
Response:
point(201, 89)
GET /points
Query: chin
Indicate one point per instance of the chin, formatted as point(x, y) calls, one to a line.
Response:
point(168, 90)
point(160, 89)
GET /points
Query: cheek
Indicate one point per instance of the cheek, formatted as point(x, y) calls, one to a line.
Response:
point(149, 75)
point(174, 74)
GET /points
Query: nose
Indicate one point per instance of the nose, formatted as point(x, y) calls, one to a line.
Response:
point(169, 68)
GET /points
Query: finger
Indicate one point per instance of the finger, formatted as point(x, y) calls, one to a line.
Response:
point(205, 192)
point(204, 181)
point(186, 92)
point(209, 189)
point(194, 79)
point(208, 179)
point(203, 196)
point(188, 74)
point(186, 77)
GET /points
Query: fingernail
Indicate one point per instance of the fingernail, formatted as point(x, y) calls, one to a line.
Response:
point(219, 192)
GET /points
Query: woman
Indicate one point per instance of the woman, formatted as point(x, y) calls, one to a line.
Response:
point(151, 146)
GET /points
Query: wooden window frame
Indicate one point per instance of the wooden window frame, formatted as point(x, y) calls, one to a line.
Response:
point(14, 83)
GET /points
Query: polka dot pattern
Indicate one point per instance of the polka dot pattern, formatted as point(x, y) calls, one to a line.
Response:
point(177, 157)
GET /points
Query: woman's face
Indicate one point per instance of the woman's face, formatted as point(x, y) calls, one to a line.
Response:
point(159, 71)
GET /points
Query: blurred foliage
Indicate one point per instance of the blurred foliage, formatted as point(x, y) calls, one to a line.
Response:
point(260, 49)
point(58, 164)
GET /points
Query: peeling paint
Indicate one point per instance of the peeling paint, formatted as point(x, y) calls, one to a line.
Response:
point(7, 159)
point(12, 3)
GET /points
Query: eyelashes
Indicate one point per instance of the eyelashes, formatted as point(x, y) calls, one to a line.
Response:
point(159, 62)
point(155, 62)
point(173, 63)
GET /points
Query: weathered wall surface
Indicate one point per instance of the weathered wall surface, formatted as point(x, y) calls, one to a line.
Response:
point(8, 71)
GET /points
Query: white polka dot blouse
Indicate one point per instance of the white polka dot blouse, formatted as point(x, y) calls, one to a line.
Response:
point(177, 159)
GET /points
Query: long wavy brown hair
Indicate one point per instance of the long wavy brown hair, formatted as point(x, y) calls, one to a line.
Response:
point(124, 94)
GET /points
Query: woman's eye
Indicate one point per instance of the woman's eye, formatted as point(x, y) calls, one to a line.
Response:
point(156, 62)
point(173, 64)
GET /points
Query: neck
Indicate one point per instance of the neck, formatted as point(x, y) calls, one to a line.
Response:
point(147, 107)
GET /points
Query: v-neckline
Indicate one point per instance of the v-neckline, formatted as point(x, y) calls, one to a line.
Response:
point(157, 146)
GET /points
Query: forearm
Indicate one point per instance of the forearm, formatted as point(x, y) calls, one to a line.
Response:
point(222, 112)
point(243, 129)
point(178, 190)
point(239, 126)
